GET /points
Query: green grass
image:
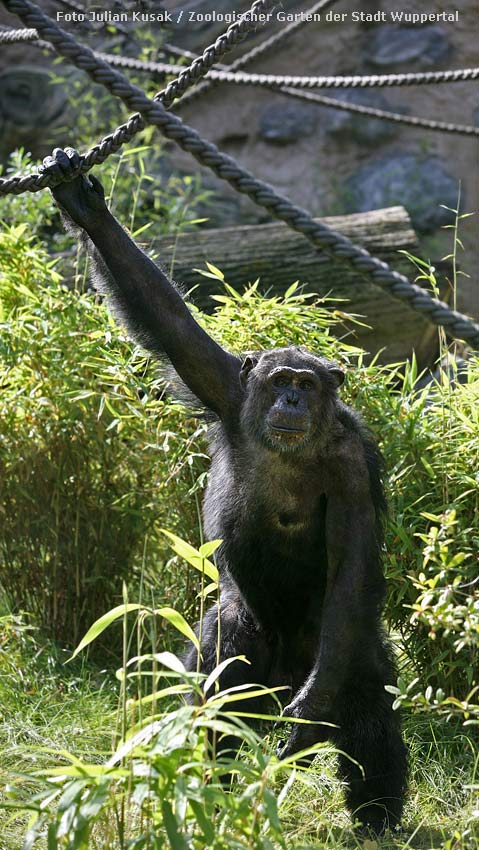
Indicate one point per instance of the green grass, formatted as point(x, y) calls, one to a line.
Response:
point(45, 708)
point(48, 709)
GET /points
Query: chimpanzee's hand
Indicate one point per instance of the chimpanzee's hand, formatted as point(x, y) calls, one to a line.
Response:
point(81, 197)
point(304, 735)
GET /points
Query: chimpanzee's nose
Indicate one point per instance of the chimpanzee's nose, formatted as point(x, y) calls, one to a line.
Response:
point(292, 397)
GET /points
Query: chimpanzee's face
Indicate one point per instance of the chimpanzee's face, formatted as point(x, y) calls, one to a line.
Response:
point(289, 397)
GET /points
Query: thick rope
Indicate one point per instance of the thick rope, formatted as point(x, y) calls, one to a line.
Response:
point(290, 29)
point(228, 75)
point(320, 82)
point(161, 69)
point(335, 244)
point(223, 44)
point(158, 70)
point(260, 49)
point(76, 7)
point(189, 75)
point(383, 114)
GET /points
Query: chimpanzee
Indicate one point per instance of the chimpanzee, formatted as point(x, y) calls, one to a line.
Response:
point(295, 495)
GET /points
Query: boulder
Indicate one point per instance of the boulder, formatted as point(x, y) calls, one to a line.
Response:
point(286, 123)
point(363, 129)
point(420, 183)
point(28, 97)
point(391, 45)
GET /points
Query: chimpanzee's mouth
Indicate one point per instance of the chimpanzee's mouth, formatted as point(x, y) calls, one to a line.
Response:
point(282, 429)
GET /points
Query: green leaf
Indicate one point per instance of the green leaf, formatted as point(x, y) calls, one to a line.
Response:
point(170, 660)
point(271, 808)
point(206, 274)
point(414, 259)
point(215, 271)
point(291, 289)
point(134, 151)
point(210, 588)
point(219, 669)
point(171, 690)
point(178, 621)
point(192, 556)
point(203, 821)
point(102, 623)
point(209, 547)
point(427, 466)
point(177, 842)
point(141, 229)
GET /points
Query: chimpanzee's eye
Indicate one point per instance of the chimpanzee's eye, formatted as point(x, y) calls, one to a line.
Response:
point(306, 385)
point(281, 381)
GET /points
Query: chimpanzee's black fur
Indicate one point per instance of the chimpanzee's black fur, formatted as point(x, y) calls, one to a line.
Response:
point(295, 494)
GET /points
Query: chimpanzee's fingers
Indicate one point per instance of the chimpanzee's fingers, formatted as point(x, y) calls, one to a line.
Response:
point(57, 166)
point(74, 158)
point(63, 161)
point(48, 162)
point(51, 167)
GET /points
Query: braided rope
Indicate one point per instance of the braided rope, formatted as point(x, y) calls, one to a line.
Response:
point(157, 69)
point(161, 69)
point(383, 114)
point(235, 33)
point(76, 7)
point(277, 37)
point(259, 50)
point(9, 36)
point(206, 153)
point(353, 81)
point(225, 74)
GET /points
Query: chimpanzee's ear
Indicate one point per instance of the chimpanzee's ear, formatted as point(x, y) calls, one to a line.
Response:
point(337, 374)
point(248, 364)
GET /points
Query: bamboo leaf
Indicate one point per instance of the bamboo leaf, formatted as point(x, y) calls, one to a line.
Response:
point(178, 621)
point(102, 623)
point(192, 556)
point(215, 271)
point(219, 669)
point(209, 547)
point(177, 842)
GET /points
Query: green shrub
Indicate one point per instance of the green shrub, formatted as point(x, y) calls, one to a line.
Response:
point(86, 449)
point(430, 439)
point(34, 210)
point(94, 459)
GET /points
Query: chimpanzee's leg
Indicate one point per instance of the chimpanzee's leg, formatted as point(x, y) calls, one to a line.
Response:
point(369, 732)
point(239, 634)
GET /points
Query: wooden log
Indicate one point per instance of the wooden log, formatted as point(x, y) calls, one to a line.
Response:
point(279, 256)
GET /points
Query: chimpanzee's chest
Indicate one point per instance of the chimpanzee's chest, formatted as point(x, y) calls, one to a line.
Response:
point(271, 518)
point(281, 580)
point(276, 554)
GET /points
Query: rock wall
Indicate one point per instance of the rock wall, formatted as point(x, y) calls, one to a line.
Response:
point(334, 162)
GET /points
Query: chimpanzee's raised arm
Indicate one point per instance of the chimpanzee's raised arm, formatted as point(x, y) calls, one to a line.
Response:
point(141, 294)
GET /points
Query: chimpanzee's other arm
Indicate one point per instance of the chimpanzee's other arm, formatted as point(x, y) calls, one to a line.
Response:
point(142, 295)
point(350, 608)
